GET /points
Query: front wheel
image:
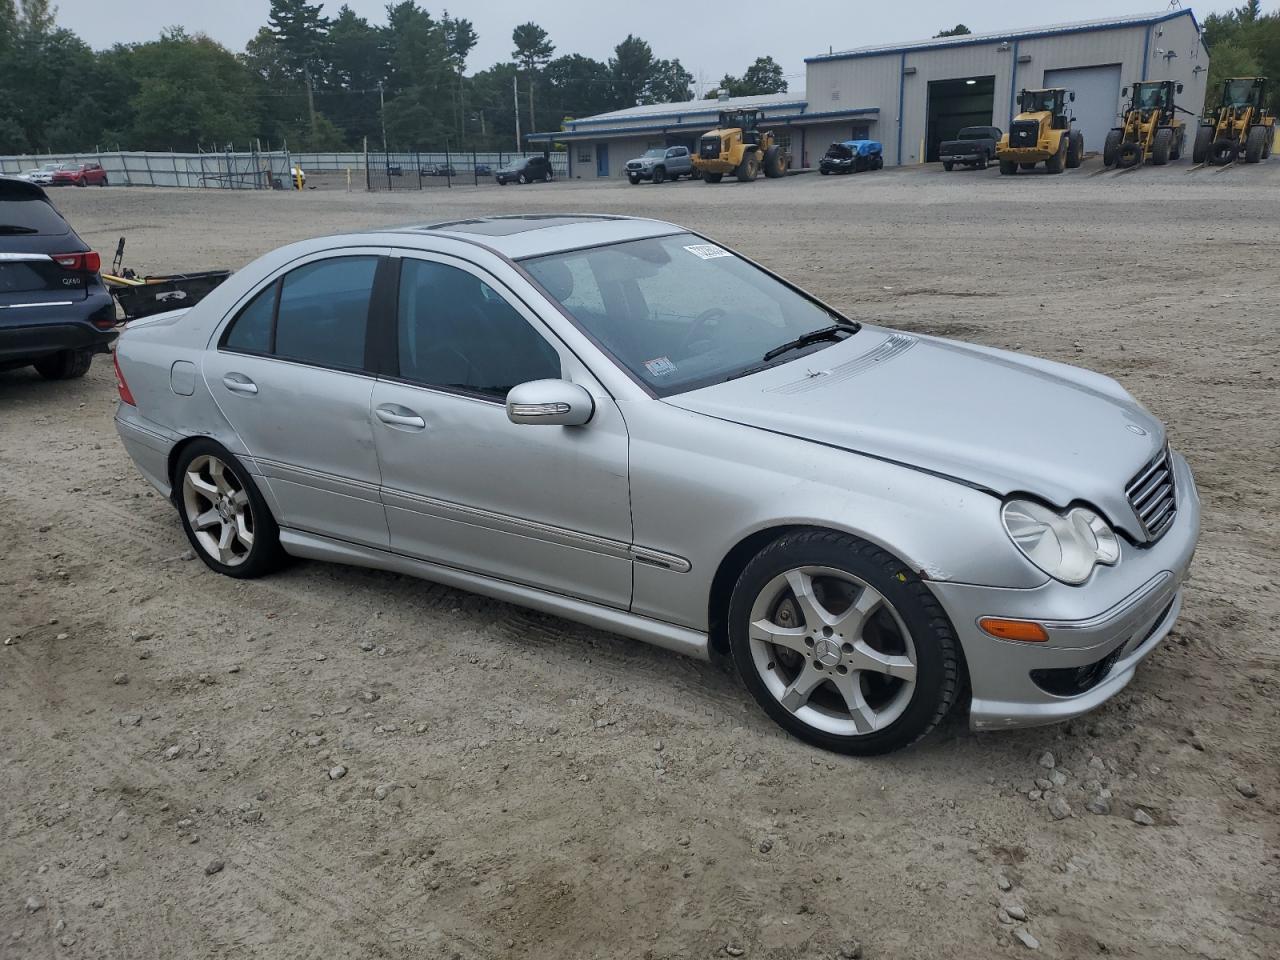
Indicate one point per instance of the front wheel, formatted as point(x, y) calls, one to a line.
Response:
point(948, 166)
point(546, 177)
point(224, 516)
point(659, 174)
point(634, 181)
point(712, 177)
point(1008, 167)
point(1111, 147)
point(1203, 142)
point(523, 179)
point(842, 644)
point(1255, 143)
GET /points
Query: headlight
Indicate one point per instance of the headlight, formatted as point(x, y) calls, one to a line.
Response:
point(1066, 546)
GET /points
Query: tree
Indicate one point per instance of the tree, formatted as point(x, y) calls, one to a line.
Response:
point(669, 82)
point(959, 30)
point(630, 69)
point(762, 77)
point(578, 86)
point(299, 31)
point(420, 78)
point(533, 50)
point(460, 38)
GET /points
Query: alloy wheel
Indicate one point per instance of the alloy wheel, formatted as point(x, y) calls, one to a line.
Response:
point(832, 650)
point(219, 510)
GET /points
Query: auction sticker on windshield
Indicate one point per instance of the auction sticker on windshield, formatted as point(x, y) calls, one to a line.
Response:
point(661, 367)
point(707, 251)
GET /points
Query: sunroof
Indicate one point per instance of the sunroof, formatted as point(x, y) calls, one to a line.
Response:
point(507, 226)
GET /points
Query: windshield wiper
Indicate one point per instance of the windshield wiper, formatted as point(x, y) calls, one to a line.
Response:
point(813, 336)
point(10, 228)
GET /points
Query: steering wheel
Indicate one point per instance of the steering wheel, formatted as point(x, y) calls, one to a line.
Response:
point(700, 321)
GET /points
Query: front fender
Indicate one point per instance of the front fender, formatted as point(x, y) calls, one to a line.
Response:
point(700, 486)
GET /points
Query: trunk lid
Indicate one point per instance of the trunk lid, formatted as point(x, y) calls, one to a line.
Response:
point(31, 232)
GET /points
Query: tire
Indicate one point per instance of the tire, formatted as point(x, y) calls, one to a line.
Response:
point(712, 177)
point(824, 171)
point(878, 163)
point(1223, 152)
point(103, 183)
point(522, 179)
point(1111, 147)
point(212, 489)
point(1008, 168)
point(775, 163)
point(1270, 141)
point(64, 365)
point(633, 180)
point(748, 168)
point(1057, 162)
point(547, 177)
point(1179, 144)
point(1162, 146)
point(1255, 143)
point(1129, 155)
point(82, 182)
point(948, 166)
point(1203, 142)
point(983, 162)
point(879, 653)
point(1075, 149)
point(659, 174)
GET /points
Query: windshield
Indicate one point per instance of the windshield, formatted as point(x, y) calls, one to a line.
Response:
point(1149, 97)
point(656, 152)
point(1036, 100)
point(1239, 93)
point(679, 312)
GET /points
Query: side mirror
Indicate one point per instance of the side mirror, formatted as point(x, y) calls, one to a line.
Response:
point(1178, 88)
point(1124, 91)
point(553, 402)
point(1073, 96)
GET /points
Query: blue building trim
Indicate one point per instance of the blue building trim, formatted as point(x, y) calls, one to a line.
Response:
point(1013, 85)
point(1146, 51)
point(902, 99)
point(1011, 37)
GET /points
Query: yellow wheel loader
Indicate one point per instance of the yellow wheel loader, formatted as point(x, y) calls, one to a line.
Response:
point(1242, 126)
point(738, 147)
point(1041, 133)
point(1150, 132)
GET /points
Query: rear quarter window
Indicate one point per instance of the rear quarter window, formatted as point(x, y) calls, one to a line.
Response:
point(31, 216)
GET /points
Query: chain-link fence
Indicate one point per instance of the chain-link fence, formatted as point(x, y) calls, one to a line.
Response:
point(426, 170)
point(252, 170)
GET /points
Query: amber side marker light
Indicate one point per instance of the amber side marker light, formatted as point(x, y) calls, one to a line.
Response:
point(1026, 630)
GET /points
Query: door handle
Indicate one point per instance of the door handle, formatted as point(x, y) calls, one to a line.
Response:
point(239, 383)
point(394, 415)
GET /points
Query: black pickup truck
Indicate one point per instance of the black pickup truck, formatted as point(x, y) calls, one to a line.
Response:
point(973, 146)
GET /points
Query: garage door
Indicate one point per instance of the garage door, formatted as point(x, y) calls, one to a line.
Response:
point(1097, 99)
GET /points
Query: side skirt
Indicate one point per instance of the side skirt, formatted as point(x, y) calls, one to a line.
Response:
point(682, 640)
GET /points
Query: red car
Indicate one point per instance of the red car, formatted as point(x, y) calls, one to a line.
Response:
point(80, 175)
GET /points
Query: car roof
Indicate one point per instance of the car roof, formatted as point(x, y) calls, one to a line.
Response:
point(534, 235)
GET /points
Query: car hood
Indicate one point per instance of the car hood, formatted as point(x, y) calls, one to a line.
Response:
point(990, 418)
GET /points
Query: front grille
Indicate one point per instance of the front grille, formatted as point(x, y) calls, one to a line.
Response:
point(1152, 496)
point(1024, 133)
point(710, 149)
point(634, 165)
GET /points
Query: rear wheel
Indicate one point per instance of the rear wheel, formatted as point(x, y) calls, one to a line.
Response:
point(1204, 140)
point(1162, 146)
point(1179, 144)
point(1255, 143)
point(1111, 147)
point(1008, 167)
point(841, 644)
point(982, 162)
point(223, 514)
point(64, 365)
point(1075, 150)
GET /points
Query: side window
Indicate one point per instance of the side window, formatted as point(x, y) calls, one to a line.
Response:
point(250, 332)
point(456, 331)
point(324, 310)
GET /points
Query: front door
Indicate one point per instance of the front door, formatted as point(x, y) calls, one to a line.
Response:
point(545, 506)
point(289, 375)
point(602, 159)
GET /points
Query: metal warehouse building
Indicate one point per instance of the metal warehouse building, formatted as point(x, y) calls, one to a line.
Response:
point(913, 96)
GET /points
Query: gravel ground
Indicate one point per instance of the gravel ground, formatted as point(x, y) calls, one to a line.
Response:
point(338, 762)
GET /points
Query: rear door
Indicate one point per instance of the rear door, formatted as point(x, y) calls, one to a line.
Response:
point(33, 239)
point(289, 374)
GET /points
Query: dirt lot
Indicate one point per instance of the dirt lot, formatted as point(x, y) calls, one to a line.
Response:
point(560, 792)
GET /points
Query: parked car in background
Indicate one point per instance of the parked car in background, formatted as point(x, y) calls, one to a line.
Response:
point(42, 175)
point(627, 424)
point(852, 156)
point(661, 163)
point(483, 170)
point(79, 175)
point(973, 147)
point(525, 170)
point(55, 311)
point(438, 170)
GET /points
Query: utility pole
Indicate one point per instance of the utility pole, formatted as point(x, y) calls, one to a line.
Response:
point(382, 115)
point(311, 100)
point(515, 99)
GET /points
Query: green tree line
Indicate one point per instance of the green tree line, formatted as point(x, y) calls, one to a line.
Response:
point(316, 82)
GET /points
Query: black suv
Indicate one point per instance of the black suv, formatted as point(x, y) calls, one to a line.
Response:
point(525, 170)
point(55, 311)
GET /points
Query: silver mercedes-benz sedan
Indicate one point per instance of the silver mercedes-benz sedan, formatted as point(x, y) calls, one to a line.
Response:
point(626, 424)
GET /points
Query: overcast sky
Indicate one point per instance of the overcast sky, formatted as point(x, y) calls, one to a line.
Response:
point(708, 38)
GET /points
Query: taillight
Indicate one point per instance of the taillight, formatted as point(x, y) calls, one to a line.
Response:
point(125, 395)
point(79, 262)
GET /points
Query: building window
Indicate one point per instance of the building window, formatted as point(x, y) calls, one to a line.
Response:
point(584, 154)
point(861, 131)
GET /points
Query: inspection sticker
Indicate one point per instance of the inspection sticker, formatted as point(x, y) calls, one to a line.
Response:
point(661, 367)
point(707, 251)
